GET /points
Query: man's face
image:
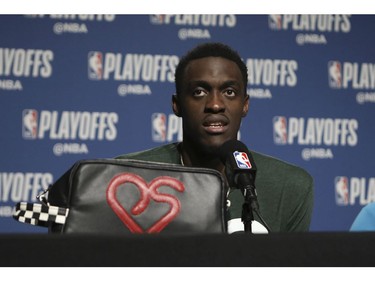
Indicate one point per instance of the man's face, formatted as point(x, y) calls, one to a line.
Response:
point(212, 102)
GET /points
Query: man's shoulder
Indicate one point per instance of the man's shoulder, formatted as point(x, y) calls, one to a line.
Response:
point(277, 168)
point(165, 153)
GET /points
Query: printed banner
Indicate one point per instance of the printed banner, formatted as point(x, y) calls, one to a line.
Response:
point(78, 87)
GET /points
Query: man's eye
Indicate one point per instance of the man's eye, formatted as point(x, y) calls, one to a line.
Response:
point(199, 93)
point(230, 93)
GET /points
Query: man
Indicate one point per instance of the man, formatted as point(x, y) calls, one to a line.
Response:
point(211, 99)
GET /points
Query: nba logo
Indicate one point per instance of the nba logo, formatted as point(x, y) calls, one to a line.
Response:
point(242, 160)
point(29, 124)
point(157, 19)
point(159, 127)
point(279, 130)
point(334, 74)
point(95, 65)
point(342, 191)
point(274, 22)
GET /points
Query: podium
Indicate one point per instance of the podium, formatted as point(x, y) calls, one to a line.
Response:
point(333, 249)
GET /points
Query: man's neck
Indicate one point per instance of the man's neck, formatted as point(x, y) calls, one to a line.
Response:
point(190, 157)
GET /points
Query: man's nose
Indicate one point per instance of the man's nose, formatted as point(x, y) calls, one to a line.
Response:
point(215, 102)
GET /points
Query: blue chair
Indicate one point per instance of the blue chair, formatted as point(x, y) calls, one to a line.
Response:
point(365, 220)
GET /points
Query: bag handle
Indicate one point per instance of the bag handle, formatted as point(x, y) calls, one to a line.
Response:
point(40, 214)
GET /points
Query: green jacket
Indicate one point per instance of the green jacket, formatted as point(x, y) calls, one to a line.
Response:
point(285, 191)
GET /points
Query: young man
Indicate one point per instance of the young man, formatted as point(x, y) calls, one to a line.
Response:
point(211, 99)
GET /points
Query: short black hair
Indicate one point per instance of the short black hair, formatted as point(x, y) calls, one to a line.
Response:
point(204, 50)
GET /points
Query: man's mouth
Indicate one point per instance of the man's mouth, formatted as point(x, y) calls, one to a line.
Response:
point(215, 127)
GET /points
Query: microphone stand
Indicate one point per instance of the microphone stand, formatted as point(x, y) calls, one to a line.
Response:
point(248, 206)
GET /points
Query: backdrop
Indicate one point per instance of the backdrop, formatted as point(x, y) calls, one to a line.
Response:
point(95, 86)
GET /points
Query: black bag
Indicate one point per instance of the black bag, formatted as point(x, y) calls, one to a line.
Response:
point(131, 196)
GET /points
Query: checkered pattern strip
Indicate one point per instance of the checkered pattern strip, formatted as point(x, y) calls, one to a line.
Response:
point(40, 214)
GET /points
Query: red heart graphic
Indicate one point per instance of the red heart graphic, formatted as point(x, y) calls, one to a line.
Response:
point(148, 192)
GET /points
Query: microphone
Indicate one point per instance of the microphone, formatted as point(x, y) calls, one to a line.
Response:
point(240, 170)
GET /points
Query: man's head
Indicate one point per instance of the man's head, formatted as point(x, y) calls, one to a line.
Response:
point(209, 50)
point(211, 96)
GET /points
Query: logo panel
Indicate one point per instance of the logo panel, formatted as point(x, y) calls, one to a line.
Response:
point(274, 22)
point(342, 191)
point(242, 160)
point(29, 124)
point(95, 65)
point(280, 130)
point(334, 74)
point(159, 127)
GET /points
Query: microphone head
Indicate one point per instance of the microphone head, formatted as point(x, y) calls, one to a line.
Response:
point(237, 160)
point(238, 154)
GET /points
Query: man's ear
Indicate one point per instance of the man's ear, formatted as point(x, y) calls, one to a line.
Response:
point(245, 108)
point(176, 105)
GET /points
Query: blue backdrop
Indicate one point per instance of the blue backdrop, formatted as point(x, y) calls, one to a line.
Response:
point(95, 86)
